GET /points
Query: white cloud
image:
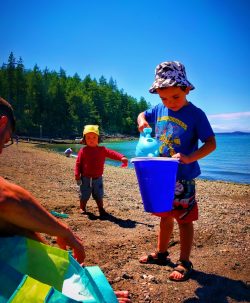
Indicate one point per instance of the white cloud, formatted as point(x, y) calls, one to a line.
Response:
point(230, 116)
point(230, 122)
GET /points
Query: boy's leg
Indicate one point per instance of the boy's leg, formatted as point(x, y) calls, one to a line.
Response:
point(185, 212)
point(186, 241)
point(97, 193)
point(165, 232)
point(100, 207)
point(84, 194)
point(83, 206)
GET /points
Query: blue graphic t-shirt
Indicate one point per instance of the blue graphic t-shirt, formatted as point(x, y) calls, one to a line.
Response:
point(179, 132)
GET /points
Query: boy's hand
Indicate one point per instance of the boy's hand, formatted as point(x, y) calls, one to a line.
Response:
point(142, 122)
point(124, 162)
point(182, 158)
point(143, 125)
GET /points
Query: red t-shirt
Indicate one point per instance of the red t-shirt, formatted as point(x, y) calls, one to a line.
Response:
point(90, 161)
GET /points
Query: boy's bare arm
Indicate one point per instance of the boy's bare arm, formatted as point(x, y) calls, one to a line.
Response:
point(203, 151)
point(142, 122)
point(18, 208)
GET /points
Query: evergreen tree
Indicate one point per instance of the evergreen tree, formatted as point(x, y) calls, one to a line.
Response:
point(11, 83)
point(52, 104)
point(36, 101)
point(20, 90)
point(103, 81)
point(112, 84)
point(143, 105)
point(3, 82)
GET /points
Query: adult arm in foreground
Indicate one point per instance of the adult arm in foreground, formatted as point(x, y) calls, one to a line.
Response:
point(22, 214)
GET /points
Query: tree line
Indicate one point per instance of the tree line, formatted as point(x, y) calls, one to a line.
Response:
point(52, 104)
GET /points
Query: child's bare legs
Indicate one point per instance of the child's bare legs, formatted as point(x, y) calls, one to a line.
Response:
point(186, 241)
point(83, 206)
point(166, 229)
point(100, 207)
point(165, 232)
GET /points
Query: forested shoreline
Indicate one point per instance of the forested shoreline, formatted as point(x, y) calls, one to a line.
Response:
point(54, 105)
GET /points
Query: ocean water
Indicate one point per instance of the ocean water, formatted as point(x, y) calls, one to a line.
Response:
point(229, 162)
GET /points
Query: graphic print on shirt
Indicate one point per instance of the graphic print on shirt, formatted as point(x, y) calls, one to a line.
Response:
point(168, 132)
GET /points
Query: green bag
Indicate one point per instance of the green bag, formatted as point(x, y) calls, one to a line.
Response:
point(34, 272)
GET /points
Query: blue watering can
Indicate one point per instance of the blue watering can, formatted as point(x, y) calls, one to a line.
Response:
point(147, 146)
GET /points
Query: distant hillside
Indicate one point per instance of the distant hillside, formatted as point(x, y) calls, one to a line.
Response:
point(234, 133)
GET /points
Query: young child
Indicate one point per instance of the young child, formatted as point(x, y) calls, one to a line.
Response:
point(68, 152)
point(90, 166)
point(179, 125)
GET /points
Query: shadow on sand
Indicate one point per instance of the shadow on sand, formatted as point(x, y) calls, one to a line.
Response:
point(218, 289)
point(122, 223)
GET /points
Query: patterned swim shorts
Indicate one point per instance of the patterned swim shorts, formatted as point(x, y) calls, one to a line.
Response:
point(185, 208)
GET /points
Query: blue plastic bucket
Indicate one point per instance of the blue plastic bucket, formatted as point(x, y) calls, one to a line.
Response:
point(156, 177)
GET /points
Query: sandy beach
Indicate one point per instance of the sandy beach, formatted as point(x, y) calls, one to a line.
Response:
point(221, 246)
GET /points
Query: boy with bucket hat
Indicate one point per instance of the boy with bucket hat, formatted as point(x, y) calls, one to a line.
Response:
point(89, 167)
point(179, 125)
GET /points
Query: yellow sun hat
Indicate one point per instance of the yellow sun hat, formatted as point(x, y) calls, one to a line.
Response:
point(91, 129)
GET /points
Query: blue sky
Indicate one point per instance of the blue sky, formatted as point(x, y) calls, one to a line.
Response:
point(126, 39)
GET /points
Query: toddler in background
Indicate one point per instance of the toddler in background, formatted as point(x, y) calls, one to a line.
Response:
point(89, 168)
point(68, 152)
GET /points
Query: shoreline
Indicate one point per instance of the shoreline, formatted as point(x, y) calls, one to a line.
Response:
point(37, 143)
point(221, 245)
point(104, 138)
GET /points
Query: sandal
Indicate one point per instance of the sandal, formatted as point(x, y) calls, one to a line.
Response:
point(183, 267)
point(159, 258)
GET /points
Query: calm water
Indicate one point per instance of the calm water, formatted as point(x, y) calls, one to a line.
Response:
point(230, 161)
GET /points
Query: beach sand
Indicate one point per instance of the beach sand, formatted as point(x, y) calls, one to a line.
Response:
point(221, 245)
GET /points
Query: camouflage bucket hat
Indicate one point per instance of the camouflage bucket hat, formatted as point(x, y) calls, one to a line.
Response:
point(168, 74)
